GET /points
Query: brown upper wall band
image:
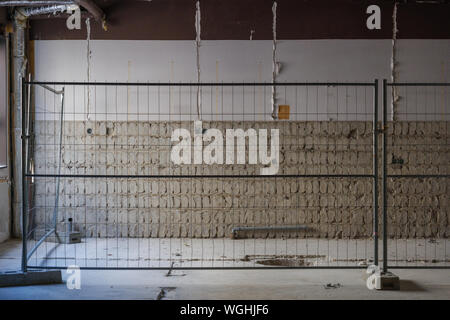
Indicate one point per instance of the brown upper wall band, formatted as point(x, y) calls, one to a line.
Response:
point(234, 20)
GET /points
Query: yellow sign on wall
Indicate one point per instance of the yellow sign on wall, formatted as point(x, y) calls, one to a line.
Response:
point(283, 112)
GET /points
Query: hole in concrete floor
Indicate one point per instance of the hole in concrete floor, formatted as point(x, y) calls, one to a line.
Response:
point(284, 262)
point(332, 286)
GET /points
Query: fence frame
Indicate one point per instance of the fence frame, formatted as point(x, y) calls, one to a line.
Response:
point(386, 266)
point(374, 175)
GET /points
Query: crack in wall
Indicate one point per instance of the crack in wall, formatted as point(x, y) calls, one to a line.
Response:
point(395, 96)
point(274, 54)
point(88, 57)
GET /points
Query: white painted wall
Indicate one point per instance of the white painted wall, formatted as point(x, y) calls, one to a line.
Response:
point(241, 61)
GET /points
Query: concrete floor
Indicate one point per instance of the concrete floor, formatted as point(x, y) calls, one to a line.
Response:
point(226, 284)
point(225, 252)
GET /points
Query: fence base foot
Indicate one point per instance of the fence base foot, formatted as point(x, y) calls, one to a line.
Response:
point(69, 237)
point(18, 278)
point(382, 280)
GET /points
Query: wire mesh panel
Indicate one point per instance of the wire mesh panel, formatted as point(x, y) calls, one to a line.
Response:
point(147, 175)
point(417, 151)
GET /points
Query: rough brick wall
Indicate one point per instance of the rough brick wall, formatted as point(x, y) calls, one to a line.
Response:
point(419, 207)
point(330, 207)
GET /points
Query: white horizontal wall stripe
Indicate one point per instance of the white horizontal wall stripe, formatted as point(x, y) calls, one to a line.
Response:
point(243, 61)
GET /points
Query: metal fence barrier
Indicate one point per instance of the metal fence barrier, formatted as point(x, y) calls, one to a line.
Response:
point(415, 175)
point(101, 190)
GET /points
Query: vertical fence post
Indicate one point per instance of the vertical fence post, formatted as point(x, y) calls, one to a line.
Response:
point(24, 180)
point(383, 179)
point(375, 171)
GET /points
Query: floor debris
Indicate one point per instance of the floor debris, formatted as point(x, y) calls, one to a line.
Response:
point(284, 260)
point(164, 290)
point(172, 273)
point(332, 286)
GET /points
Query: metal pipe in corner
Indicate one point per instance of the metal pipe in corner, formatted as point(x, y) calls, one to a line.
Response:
point(25, 13)
point(93, 9)
point(34, 3)
point(18, 73)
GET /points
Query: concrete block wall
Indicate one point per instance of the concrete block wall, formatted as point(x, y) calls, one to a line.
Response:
point(199, 207)
point(419, 207)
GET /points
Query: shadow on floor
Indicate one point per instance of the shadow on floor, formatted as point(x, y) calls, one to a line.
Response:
point(410, 286)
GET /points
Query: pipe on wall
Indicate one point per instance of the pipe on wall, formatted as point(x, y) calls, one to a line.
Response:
point(235, 230)
point(53, 6)
point(31, 3)
point(92, 8)
point(18, 73)
point(34, 11)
